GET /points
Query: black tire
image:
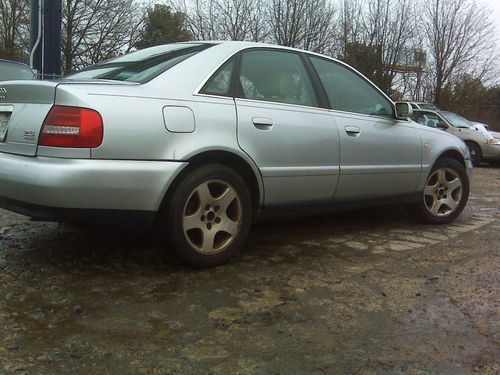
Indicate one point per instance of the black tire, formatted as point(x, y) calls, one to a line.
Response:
point(475, 153)
point(188, 246)
point(421, 208)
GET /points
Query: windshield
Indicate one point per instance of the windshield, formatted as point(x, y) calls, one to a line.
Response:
point(141, 66)
point(456, 120)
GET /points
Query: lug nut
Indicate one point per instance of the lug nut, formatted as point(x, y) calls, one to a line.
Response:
point(217, 220)
point(209, 226)
point(202, 217)
point(207, 207)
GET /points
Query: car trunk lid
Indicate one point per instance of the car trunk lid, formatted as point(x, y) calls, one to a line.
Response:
point(23, 108)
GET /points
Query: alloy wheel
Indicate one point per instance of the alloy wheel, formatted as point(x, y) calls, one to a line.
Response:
point(212, 217)
point(443, 192)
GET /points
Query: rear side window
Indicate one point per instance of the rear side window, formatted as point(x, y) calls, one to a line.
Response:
point(220, 82)
point(275, 76)
point(140, 66)
point(426, 118)
point(347, 91)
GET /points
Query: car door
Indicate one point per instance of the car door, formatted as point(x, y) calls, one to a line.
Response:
point(281, 126)
point(379, 154)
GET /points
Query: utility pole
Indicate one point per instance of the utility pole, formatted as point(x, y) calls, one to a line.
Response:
point(45, 56)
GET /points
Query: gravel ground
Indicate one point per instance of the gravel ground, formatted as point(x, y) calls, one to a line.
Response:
point(367, 292)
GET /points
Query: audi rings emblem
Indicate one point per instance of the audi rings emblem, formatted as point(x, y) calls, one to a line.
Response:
point(3, 93)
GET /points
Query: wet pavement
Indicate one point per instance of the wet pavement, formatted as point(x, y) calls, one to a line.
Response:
point(367, 292)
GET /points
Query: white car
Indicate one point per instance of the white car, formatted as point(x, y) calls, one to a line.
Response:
point(483, 145)
point(422, 105)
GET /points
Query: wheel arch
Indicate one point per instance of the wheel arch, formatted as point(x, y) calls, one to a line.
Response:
point(452, 154)
point(247, 170)
point(471, 141)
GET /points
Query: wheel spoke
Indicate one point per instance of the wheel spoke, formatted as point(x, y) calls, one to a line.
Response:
point(208, 240)
point(192, 221)
point(451, 203)
point(430, 190)
point(436, 205)
point(204, 194)
point(441, 176)
point(229, 226)
point(226, 199)
point(453, 185)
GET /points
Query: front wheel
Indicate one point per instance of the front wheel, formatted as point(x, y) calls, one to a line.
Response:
point(445, 193)
point(207, 217)
point(475, 153)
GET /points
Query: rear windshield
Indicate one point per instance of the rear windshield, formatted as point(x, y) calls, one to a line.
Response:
point(140, 66)
point(428, 106)
point(13, 71)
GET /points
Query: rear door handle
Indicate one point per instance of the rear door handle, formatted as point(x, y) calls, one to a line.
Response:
point(353, 131)
point(262, 123)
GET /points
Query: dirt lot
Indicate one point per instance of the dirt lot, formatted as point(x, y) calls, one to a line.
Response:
point(368, 292)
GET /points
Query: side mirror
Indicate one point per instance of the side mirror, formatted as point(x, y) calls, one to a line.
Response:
point(403, 110)
point(442, 125)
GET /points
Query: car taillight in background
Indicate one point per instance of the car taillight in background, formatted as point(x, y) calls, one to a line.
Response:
point(71, 127)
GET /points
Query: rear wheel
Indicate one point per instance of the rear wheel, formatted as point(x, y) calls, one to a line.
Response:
point(445, 193)
point(207, 217)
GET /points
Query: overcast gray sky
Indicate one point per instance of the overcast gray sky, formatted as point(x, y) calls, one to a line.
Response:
point(495, 6)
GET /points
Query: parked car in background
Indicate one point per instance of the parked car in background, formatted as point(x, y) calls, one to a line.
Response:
point(422, 105)
point(482, 144)
point(12, 70)
point(201, 138)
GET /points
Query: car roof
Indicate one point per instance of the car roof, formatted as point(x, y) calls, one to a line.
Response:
point(14, 62)
point(235, 45)
point(426, 110)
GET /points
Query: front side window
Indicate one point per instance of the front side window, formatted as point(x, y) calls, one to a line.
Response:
point(140, 66)
point(275, 76)
point(347, 91)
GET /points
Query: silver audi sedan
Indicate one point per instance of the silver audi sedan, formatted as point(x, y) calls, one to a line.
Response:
point(200, 139)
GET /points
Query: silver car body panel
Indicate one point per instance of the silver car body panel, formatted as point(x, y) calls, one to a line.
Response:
point(282, 148)
point(86, 183)
point(305, 157)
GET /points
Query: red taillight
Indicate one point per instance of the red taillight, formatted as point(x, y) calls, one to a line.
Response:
point(71, 127)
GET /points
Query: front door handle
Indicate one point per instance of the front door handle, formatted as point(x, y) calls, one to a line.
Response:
point(353, 131)
point(262, 123)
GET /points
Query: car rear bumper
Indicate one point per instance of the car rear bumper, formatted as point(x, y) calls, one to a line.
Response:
point(55, 188)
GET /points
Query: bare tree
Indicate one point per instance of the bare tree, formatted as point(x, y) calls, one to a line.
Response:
point(459, 36)
point(302, 23)
point(235, 18)
point(14, 35)
point(319, 30)
point(93, 30)
point(351, 23)
point(389, 27)
point(225, 19)
point(287, 21)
